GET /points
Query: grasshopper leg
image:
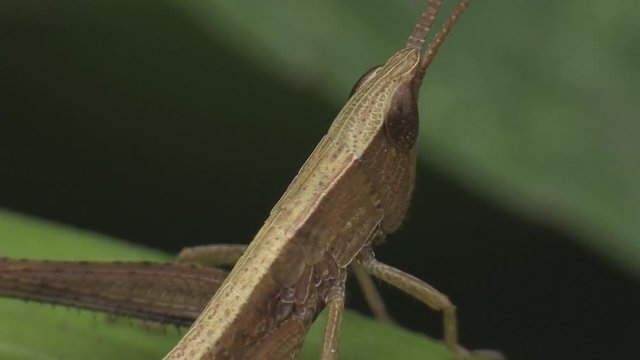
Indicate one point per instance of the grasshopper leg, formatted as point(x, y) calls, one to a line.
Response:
point(331, 340)
point(423, 292)
point(371, 294)
point(214, 254)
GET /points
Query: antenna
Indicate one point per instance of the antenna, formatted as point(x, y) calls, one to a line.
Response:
point(419, 35)
point(442, 34)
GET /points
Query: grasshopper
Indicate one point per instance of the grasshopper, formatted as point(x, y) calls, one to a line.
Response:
point(352, 191)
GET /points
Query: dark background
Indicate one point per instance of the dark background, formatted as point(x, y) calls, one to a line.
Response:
point(134, 123)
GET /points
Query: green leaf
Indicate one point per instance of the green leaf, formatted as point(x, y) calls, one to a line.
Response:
point(33, 331)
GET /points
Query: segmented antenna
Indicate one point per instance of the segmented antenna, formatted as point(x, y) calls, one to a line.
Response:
point(442, 34)
point(419, 35)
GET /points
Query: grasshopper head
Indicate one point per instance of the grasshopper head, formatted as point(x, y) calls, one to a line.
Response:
point(401, 76)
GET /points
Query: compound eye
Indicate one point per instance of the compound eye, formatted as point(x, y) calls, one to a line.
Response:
point(401, 121)
point(364, 78)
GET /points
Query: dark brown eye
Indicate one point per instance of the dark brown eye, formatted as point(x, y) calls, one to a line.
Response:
point(401, 123)
point(364, 78)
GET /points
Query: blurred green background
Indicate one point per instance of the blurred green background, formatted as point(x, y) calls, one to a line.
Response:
point(173, 123)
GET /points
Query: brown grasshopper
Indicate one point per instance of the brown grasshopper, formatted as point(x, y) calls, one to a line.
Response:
point(353, 190)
